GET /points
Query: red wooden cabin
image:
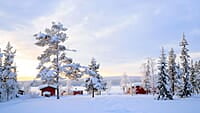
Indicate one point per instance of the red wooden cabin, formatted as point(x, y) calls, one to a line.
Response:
point(77, 91)
point(140, 90)
point(137, 87)
point(48, 88)
point(80, 92)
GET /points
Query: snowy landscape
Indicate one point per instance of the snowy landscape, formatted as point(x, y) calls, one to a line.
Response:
point(101, 104)
point(108, 56)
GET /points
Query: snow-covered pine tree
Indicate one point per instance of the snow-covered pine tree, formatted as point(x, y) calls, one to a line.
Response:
point(187, 88)
point(108, 87)
point(53, 61)
point(9, 76)
point(95, 82)
point(163, 84)
point(172, 69)
point(124, 83)
point(198, 77)
point(178, 84)
point(1, 58)
point(147, 77)
point(2, 96)
point(153, 76)
point(69, 87)
point(193, 76)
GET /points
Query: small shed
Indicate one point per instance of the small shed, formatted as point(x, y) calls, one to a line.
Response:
point(138, 88)
point(48, 90)
point(77, 91)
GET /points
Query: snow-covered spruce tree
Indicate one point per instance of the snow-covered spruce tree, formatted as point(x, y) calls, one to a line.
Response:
point(124, 83)
point(195, 77)
point(8, 75)
point(1, 58)
point(172, 70)
point(198, 77)
point(153, 76)
point(2, 92)
point(108, 87)
point(178, 83)
point(187, 87)
point(163, 84)
point(69, 87)
point(147, 77)
point(53, 61)
point(95, 82)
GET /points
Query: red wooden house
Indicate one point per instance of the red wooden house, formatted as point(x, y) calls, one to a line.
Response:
point(77, 91)
point(48, 90)
point(138, 89)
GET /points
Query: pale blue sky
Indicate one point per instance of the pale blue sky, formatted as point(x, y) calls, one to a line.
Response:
point(120, 34)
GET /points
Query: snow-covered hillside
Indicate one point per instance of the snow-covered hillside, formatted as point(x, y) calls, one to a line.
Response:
point(101, 104)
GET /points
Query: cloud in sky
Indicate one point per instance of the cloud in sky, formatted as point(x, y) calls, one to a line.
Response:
point(119, 34)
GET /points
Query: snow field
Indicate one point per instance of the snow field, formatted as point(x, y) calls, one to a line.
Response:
point(101, 104)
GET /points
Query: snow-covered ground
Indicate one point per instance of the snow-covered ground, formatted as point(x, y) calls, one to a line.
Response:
point(101, 104)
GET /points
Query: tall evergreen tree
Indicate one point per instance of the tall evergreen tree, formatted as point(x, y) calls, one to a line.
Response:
point(95, 82)
point(8, 75)
point(1, 58)
point(54, 60)
point(163, 84)
point(147, 77)
point(178, 80)
point(193, 78)
point(186, 89)
point(198, 77)
point(124, 83)
point(2, 94)
point(172, 69)
point(153, 76)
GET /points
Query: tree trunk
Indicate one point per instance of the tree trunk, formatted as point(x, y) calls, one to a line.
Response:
point(57, 78)
point(7, 94)
point(58, 97)
point(92, 92)
point(173, 89)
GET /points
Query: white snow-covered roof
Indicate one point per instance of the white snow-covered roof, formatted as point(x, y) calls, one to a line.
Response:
point(78, 88)
point(137, 84)
point(47, 85)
